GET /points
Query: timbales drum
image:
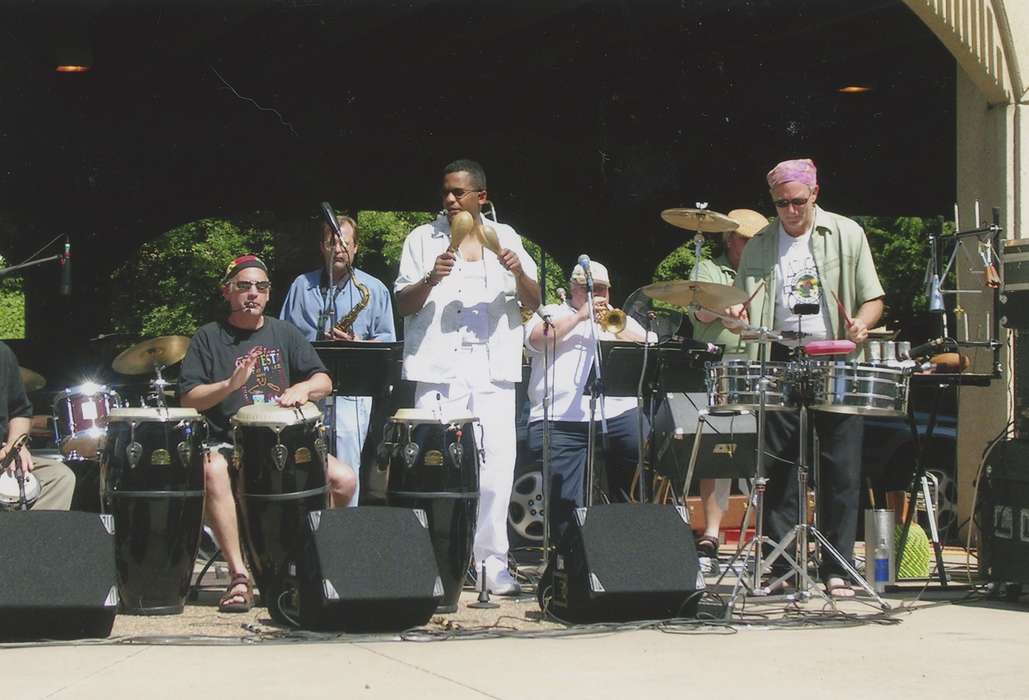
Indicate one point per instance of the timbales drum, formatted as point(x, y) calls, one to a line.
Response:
point(152, 481)
point(80, 418)
point(433, 465)
point(860, 389)
point(281, 455)
point(735, 385)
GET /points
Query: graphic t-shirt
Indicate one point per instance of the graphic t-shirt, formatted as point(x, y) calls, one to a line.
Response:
point(798, 280)
point(285, 358)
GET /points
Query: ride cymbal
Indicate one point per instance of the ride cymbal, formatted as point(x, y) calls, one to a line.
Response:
point(141, 357)
point(708, 295)
point(33, 381)
point(703, 220)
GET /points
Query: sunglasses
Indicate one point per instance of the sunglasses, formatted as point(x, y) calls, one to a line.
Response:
point(797, 202)
point(458, 193)
point(245, 285)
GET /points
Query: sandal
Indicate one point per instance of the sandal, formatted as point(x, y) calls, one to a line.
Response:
point(707, 546)
point(226, 604)
point(838, 588)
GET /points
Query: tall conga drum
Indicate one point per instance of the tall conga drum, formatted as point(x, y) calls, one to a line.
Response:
point(281, 455)
point(434, 466)
point(152, 482)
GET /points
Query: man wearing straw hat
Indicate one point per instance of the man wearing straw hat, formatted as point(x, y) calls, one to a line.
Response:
point(714, 493)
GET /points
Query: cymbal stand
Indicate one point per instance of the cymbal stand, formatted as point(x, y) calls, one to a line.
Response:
point(159, 385)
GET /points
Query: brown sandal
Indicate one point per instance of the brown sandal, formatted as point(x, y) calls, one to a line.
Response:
point(248, 596)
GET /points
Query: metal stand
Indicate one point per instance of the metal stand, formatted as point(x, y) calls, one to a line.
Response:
point(596, 393)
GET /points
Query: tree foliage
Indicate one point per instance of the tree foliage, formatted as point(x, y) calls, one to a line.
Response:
point(169, 286)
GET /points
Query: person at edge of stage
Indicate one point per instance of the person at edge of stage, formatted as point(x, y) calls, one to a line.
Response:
point(248, 358)
point(463, 342)
point(569, 343)
point(56, 480)
point(315, 304)
point(811, 256)
point(714, 493)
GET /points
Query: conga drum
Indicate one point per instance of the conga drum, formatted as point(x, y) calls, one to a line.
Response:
point(152, 482)
point(281, 455)
point(434, 466)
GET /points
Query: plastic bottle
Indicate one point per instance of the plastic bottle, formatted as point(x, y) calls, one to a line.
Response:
point(882, 566)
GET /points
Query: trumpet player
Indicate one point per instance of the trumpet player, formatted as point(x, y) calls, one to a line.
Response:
point(340, 302)
point(462, 340)
point(564, 330)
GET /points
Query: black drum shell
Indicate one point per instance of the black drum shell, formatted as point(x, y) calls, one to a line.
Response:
point(274, 503)
point(158, 511)
point(445, 488)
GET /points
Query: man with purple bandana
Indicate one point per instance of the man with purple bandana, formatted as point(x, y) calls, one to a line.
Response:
point(813, 257)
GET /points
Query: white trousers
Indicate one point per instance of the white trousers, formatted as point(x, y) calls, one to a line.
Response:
point(352, 413)
point(493, 403)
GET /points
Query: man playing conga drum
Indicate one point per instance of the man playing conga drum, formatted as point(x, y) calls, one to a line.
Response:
point(247, 359)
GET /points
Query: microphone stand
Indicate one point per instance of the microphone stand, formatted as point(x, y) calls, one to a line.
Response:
point(548, 327)
point(4, 272)
point(596, 390)
point(639, 409)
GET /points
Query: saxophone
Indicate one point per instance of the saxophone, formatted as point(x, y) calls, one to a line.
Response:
point(346, 324)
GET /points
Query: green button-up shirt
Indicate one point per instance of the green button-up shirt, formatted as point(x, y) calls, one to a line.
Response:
point(844, 263)
point(718, 271)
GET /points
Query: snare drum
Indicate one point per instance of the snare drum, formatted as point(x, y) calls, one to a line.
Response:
point(734, 385)
point(152, 481)
point(10, 492)
point(861, 389)
point(281, 455)
point(80, 418)
point(433, 465)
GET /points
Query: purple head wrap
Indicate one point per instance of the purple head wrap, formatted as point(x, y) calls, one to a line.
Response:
point(801, 170)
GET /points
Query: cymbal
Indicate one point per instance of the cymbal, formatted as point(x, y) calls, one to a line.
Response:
point(709, 295)
point(703, 220)
point(33, 381)
point(141, 357)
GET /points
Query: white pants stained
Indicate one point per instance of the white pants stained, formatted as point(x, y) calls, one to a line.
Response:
point(352, 413)
point(493, 403)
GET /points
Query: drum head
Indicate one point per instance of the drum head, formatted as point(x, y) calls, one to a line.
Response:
point(10, 496)
point(272, 415)
point(155, 415)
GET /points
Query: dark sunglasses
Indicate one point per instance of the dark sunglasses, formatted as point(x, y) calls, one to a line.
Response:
point(245, 285)
point(783, 203)
point(458, 193)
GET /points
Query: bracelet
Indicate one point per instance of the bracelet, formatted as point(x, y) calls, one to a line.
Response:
point(428, 279)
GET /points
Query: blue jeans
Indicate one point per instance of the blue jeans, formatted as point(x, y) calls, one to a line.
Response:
point(568, 441)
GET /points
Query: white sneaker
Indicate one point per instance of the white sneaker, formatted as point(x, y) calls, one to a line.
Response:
point(503, 584)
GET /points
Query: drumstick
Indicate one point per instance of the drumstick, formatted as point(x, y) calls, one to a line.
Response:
point(843, 311)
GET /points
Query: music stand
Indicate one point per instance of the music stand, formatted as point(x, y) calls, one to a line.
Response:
point(361, 369)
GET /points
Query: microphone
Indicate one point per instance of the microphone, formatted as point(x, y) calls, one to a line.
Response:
point(584, 263)
point(66, 269)
point(698, 346)
point(330, 217)
point(935, 295)
point(928, 349)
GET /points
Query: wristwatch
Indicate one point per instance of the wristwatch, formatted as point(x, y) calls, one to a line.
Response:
point(428, 279)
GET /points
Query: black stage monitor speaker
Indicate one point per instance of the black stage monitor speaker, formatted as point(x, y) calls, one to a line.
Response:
point(1005, 509)
point(727, 446)
point(368, 569)
point(623, 562)
point(57, 576)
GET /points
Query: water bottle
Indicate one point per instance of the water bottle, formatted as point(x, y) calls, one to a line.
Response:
point(882, 567)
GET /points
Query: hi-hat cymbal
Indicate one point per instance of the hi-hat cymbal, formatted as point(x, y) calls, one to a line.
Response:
point(141, 357)
point(706, 294)
point(703, 220)
point(33, 381)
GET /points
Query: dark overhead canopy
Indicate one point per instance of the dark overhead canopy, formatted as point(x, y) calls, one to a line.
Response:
point(590, 116)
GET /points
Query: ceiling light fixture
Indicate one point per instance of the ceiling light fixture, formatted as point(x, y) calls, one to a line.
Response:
point(854, 89)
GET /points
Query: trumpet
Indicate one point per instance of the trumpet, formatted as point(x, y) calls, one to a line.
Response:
point(610, 319)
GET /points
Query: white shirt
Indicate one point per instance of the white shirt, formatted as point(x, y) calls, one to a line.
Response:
point(570, 368)
point(434, 335)
point(797, 283)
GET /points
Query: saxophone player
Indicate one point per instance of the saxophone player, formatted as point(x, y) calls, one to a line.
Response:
point(340, 302)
